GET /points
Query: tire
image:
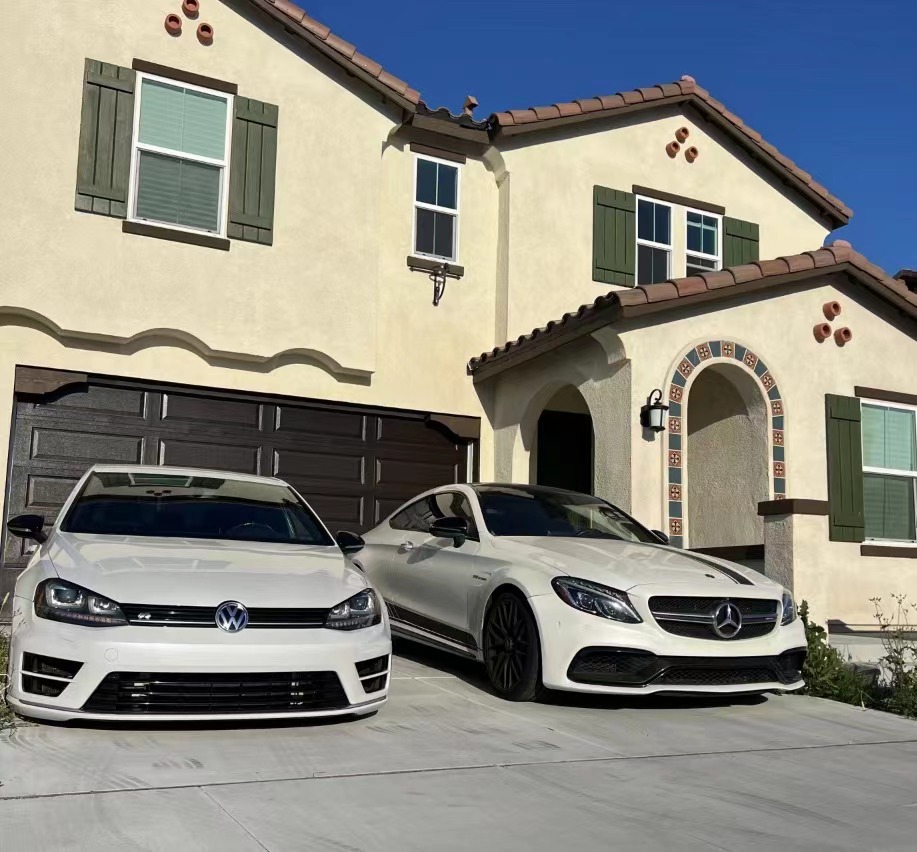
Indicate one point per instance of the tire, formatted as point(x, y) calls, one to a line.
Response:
point(512, 649)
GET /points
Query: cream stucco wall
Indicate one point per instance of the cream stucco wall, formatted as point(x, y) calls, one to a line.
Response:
point(332, 294)
point(552, 179)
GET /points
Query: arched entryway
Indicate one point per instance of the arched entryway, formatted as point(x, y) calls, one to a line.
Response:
point(714, 462)
point(564, 446)
point(727, 458)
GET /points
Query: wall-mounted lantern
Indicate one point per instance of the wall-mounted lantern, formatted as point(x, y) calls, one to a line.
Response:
point(652, 415)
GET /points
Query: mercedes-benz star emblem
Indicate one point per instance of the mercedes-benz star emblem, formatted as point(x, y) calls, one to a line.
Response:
point(727, 620)
point(231, 616)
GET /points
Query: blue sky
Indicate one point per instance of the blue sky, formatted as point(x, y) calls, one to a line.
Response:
point(831, 84)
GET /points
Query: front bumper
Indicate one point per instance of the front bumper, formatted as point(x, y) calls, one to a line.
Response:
point(585, 653)
point(148, 655)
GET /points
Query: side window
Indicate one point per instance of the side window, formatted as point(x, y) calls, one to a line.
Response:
point(416, 517)
point(455, 504)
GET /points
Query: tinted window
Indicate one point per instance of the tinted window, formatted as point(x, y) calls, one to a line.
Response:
point(520, 511)
point(419, 515)
point(170, 506)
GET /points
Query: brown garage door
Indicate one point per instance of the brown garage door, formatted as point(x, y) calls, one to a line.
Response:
point(354, 466)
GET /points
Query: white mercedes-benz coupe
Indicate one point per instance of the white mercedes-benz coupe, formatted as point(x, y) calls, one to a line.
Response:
point(553, 589)
point(182, 594)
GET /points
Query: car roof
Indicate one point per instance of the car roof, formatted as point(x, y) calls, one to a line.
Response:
point(183, 471)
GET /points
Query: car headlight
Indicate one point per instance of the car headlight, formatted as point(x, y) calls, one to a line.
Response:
point(789, 609)
point(59, 600)
point(362, 610)
point(596, 599)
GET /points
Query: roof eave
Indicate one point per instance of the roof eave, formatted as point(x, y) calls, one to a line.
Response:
point(354, 70)
point(834, 215)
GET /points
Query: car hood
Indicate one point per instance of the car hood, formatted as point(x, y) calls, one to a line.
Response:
point(624, 564)
point(204, 572)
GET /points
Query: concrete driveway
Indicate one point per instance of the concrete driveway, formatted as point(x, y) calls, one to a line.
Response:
point(445, 765)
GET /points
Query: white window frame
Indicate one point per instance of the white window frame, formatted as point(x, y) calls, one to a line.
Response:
point(669, 249)
point(137, 146)
point(718, 257)
point(455, 214)
point(910, 474)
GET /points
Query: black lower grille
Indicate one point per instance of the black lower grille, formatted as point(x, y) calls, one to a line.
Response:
point(47, 675)
point(374, 666)
point(251, 692)
point(687, 676)
point(205, 616)
point(374, 684)
point(636, 668)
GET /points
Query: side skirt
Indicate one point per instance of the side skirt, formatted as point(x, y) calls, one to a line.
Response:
point(416, 634)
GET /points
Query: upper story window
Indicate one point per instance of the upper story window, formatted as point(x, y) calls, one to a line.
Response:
point(436, 208)
point(654, 241)
point(890, 471)
point(702, 235)
point(180, 156)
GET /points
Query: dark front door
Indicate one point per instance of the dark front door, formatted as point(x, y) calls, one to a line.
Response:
point(353, 465)
point(565, 450)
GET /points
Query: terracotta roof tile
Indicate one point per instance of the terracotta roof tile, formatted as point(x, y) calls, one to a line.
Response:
point(716, 280)
point(700, 98)
point(590, 104)
point(610, 101)
point(660, 292)
point(672, 292)
point(311, 28)
point(690, 286)
point(632, 297)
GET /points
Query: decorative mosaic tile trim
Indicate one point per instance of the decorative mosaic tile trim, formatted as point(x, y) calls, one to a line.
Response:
point(694, 359)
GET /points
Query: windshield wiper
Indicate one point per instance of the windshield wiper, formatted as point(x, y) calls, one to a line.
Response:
point(593, 533)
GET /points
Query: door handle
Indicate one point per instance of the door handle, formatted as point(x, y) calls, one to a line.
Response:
point(406, 546)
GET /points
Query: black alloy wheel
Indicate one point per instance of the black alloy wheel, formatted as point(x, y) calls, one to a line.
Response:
point(512, 650)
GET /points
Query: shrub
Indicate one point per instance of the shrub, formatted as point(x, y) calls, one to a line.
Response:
point(825, 672)
point(899, 694)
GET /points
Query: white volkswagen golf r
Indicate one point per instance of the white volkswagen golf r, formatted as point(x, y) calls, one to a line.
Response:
point(555, 589)
point(182, 594)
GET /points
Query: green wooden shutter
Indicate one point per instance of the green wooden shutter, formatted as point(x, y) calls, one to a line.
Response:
point(740, 242)
point(614, 236)
point(253, 168)
point(104, 161)
point(845, 469)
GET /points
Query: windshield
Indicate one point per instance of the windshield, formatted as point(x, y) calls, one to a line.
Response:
point(174, 506)
point(533, 511)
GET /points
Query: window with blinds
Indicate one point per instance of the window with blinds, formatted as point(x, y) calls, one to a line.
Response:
point(890, 471)
point(180, 155)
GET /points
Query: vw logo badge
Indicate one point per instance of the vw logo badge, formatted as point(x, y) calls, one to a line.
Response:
point(727, 620)
point(231, 616)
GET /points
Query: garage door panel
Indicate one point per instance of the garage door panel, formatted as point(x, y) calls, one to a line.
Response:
point(45, 492)
point(92, 447)
point(320, 467)
point(121, 402)
point(333, 425)
point(338, 512)
point(184, 453)
point(414, 476)
point(395, 430)
point(181, 408)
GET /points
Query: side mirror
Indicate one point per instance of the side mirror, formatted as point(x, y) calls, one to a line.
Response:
point(350, 542)
point(27, 526)
point(661, 536)
point(454, 528)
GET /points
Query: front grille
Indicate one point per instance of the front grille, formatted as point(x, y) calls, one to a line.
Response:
point(204, 616)
point(704, 631)
point(690, 676)
point(47, 675)
point(703, 606)
point(137, 693)
point(693, 617)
